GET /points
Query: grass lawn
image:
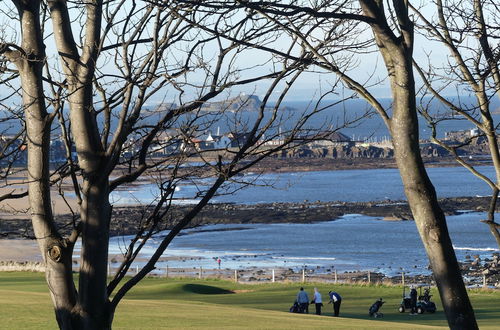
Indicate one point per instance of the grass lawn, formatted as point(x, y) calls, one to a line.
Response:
point(212, 304)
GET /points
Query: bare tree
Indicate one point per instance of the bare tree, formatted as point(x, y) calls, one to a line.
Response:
point(308, 24)
point(86, 72)
point(468, 30)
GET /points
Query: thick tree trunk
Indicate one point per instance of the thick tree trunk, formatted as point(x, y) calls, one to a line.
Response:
point(92, 310)
point(95, 211)
point(397, 52)
point(429, 218)
point(96, 214)
point(55, 250)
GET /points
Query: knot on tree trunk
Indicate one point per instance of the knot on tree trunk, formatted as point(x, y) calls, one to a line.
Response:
point(54, 252)
point(435, 235)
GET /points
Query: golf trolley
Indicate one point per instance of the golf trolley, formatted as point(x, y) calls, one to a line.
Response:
point(374, 309)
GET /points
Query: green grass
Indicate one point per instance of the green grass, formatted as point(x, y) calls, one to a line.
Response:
point(212, 304)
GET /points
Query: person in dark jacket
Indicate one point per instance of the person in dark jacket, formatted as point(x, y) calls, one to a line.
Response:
point(413, 300)
point(336, 299)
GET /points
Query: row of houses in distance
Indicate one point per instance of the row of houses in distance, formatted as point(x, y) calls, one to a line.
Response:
point(174, 141)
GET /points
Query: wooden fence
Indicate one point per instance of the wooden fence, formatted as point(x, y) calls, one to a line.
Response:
point(274, 275)
point(303, 276)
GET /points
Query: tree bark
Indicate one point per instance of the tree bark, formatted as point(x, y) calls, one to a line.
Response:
point(89, 309)
point(92, 310)
point(96, 214)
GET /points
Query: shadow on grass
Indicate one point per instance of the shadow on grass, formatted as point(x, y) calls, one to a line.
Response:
point(204, 289)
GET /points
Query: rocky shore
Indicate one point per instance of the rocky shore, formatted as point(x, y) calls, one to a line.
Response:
point(126, 220)
point(301, 164)
point(477, 273)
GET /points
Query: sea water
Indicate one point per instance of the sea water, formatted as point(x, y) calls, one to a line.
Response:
point(342, 185)
point(351, 243)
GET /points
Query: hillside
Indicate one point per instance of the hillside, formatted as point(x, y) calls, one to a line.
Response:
point(242, 102)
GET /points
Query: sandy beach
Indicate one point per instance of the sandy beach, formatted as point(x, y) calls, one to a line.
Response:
point(19, 250)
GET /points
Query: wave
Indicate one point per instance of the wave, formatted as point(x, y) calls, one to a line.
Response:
point(305, 258)
point(467, 248)
point(200, 253)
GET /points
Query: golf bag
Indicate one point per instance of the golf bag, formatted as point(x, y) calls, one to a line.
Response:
point(295, 308)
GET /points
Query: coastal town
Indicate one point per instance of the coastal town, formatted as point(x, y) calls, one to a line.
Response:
point(211, 142)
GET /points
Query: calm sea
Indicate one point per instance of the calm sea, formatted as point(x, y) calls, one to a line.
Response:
point(354, 242)
point(325, 186)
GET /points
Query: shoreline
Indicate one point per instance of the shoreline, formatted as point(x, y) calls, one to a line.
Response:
point(126, 219)
point(305, 164)
point(22, 250)
point(476, 273)
point(16, 242)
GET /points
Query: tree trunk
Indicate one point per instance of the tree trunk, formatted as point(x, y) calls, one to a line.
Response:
point(89, 309)
point(429, 217)
point(93, 311)
point(397, 52)
point(96, 214)
point(55, 250)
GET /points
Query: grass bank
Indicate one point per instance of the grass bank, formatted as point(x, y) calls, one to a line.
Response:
point(212, 304)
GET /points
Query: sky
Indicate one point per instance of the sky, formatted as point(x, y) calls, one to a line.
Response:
point(309, 86)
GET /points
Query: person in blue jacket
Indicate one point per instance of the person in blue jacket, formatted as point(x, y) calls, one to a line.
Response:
point(336, 299)
point(303, 300)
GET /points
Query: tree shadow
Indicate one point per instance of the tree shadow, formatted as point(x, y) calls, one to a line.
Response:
point(204, 289)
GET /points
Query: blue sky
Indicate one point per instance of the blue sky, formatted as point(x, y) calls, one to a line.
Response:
point(310, 85)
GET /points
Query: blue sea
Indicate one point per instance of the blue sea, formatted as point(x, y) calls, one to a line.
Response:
point(353, 118)
point(326, 186)
point(354, 242)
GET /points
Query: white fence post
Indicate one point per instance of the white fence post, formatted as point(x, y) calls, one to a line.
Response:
point(273, 276)
point(335, 277)
point(303, 275)
point(236, 276)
